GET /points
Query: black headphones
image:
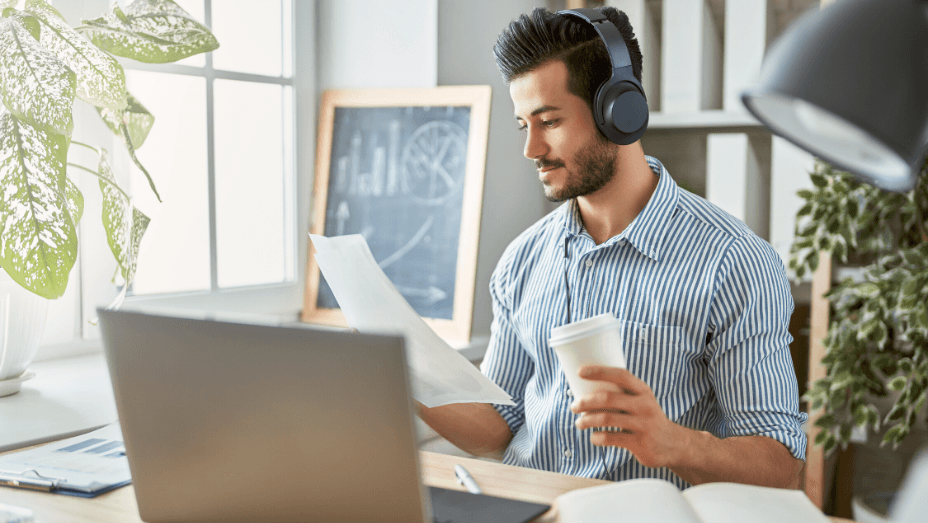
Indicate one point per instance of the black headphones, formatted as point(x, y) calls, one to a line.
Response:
point(619, 105)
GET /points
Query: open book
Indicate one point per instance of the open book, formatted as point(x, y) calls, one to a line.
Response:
point(658, 501)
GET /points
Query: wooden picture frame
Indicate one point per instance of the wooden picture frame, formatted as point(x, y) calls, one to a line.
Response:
point(405, 168)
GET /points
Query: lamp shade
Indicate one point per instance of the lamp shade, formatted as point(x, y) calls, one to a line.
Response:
point(849, 84)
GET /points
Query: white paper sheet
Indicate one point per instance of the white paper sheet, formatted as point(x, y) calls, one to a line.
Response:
point(371, 303)
point(85, 463)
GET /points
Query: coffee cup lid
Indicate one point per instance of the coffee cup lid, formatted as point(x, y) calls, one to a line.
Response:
point(581, 329)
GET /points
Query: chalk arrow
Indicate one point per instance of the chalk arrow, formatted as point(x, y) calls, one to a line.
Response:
point(431, 295)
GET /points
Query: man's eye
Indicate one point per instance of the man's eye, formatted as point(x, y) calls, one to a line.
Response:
point(523, 127)
point(549, 123)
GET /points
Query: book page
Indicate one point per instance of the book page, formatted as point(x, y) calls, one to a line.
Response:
point(734, 503)
point(636, 500)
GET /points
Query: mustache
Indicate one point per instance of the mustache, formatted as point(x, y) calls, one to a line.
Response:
point(542, 163)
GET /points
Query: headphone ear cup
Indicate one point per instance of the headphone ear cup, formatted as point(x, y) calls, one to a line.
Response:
point(625, 108)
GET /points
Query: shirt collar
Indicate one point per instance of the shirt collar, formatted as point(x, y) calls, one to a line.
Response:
point(646, 232)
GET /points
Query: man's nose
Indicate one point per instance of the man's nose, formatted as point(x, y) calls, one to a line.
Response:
point(535, 146)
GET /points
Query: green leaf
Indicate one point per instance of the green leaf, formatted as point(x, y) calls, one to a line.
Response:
point(101, 81)
point(135, 117)
point(127, 139)
point(31, 25)
point(805, 210)
point(845, 433)
point(818, 180)
point(35, 85)
point(151, 31)
point(826, 421)
point(897, 383)
point(4, 4)
point(880, 335)
point(75, 201)
point(125, 225)
point(894, 435)
point(821, 437)
point(913, 258)
point(867, 290)
point(861, 416)
point(38, 246)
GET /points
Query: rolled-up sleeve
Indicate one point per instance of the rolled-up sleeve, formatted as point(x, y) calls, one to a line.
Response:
point(506, 362)
point(750, 364)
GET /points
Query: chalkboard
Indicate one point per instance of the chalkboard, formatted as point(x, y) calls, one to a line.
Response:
point(404, 168)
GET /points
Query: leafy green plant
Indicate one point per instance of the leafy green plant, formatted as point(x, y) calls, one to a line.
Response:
point(877, 342)
point(45, 65)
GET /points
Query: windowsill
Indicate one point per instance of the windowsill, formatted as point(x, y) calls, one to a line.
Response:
point(67, 397)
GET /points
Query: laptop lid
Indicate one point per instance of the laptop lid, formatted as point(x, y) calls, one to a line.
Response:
point(235, 422)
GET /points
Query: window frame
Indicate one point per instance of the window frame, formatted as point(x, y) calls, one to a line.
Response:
point(277, 302)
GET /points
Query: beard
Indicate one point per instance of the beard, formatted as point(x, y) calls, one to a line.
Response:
point(595, 168)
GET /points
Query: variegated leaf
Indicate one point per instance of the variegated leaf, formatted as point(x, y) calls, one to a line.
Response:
point(131, 149)
point(135, 117)
point(7, 3)
point(38, 239)
point(139, 225)
point(35, 85)
point(125, 225)
point(151, 31)
point(101, 81)
point(75, 201)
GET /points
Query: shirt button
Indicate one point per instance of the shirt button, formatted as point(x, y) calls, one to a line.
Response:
point(570, 393)
point(589, 263)
point(568, 453)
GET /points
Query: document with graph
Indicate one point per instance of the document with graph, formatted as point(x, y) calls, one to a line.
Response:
point(371, 304)
point(85, 466)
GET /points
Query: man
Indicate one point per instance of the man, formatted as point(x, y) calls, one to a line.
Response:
point(710, 392)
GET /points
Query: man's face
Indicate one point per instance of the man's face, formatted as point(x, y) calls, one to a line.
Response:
point(572, 157)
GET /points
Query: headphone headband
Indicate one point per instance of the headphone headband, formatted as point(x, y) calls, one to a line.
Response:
point(620, 108)
point(608, 33)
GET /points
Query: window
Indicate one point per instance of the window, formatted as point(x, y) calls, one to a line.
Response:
point(221, 154)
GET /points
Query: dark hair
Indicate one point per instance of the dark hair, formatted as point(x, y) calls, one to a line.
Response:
point(533, 40)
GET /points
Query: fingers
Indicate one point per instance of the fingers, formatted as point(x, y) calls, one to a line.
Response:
point(606, 400)
point(605, 419)
point(621, 377)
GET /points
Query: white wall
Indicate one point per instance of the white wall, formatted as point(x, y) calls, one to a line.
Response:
point(364, 44)
point(512, 196)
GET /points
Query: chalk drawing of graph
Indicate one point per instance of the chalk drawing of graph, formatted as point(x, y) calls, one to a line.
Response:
point(433, 162)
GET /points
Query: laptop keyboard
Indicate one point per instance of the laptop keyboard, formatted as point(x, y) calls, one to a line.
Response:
point(455, 506)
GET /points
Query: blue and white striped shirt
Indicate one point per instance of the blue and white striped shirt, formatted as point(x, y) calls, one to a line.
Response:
point(705, 305)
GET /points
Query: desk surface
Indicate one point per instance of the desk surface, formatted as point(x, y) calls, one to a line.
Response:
point(437, 470)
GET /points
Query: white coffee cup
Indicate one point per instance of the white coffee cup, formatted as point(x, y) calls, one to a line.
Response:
point(593, 341)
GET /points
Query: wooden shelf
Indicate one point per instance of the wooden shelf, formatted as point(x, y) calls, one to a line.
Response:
point(713, 120)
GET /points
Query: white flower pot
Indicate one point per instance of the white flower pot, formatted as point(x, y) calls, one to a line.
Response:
point(22, 321)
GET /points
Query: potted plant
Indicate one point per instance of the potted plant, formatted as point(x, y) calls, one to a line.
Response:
point(45, 66)
point(877, 343)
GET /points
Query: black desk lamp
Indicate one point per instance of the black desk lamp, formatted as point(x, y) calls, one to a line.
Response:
point(849, 84)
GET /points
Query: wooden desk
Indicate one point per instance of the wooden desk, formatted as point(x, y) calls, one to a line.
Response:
point(496, 479)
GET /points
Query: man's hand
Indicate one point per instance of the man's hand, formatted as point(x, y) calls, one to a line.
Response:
point(646, 432)
point(696, 456)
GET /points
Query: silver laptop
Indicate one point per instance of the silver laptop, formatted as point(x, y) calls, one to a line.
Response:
point(236, 422)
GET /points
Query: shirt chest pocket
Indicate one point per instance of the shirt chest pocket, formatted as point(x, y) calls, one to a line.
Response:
point(655, 354)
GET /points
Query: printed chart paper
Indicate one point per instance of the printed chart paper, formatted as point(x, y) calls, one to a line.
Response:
point(371, 303)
